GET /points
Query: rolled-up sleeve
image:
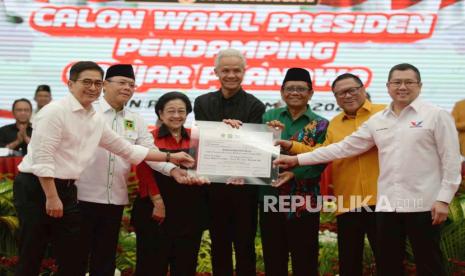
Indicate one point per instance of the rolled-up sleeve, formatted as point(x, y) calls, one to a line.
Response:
point(119, 146)
point(162, 167)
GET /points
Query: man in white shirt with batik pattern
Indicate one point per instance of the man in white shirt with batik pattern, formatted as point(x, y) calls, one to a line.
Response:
point(419, 172)
point(102, 187)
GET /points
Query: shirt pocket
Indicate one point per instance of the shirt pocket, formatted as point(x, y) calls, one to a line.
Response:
point(415, 137)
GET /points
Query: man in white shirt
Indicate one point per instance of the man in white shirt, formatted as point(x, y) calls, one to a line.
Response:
point(66, 135)
point(102, 187)
point(419, 172)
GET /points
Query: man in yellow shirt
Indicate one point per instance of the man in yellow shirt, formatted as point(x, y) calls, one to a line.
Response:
point(458, 112)
point(459, 116)
point(355, 178)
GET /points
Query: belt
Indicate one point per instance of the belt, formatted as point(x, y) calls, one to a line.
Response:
point(64, 182)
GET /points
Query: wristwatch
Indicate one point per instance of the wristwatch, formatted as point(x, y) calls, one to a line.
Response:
point(168, 156)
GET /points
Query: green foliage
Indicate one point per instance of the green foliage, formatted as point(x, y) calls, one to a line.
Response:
point(260, 263)
point(9, 224)
point(327, 217)
point(203, 260)
point(453, 234)
point(328, 255)
point(452, 243)
point(457, 209)
point(126, 254)
point(369, 264)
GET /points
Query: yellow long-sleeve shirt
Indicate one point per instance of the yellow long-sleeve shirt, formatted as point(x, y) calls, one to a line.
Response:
point(354, 176)
point(459, 116)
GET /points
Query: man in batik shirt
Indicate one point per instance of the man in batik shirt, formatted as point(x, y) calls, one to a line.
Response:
point(291, 231)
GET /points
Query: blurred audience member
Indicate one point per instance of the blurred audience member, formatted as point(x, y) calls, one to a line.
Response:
point(459, 116)
point(42, 96)
point(16, 136)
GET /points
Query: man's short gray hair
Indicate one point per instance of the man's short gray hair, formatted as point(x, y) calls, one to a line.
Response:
point(229, 53)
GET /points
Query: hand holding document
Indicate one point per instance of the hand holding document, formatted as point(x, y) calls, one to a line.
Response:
point(283, 177)
point(182, 158)
point(276, 124)
point(285, 144)
point(181, 176)
point(224, 153)
point(233, 123)
point(286, 162)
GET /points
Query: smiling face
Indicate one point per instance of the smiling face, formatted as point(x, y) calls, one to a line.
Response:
point(174, 114)
point(230, 72)
point(296, 94)
point(118, 91)
point(350, 96)
point(84, 93)
point(403, 87)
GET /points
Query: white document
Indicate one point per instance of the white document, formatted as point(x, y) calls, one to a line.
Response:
point(235, 152)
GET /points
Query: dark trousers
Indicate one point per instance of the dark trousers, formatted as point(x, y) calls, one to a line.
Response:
point(233, 211)
point(351, 230)
point(392, 230)
point(296, 236)
point(37, 228)
point(157, 250)
point(99, 237)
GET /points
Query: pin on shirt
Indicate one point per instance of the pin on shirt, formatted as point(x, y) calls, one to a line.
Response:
point(129, 124)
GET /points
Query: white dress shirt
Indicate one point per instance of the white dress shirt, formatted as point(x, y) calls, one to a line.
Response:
point(418, 156)
point(105, 178)
point(65, 138)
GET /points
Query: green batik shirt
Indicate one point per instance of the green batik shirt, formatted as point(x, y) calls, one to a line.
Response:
point(309, 129)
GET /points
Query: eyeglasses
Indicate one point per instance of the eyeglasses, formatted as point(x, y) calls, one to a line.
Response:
point(350, 91)
point(87, 83)
point(408, 83)
point(298, 89)
point(131, 84)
